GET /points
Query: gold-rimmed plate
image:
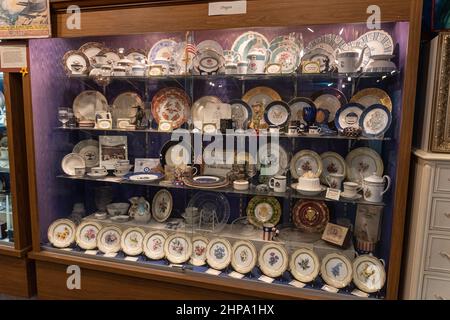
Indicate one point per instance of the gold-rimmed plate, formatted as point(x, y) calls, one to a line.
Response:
point(370, 96)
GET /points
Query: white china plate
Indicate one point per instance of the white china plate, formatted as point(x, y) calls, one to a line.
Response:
point(275, 157)
point(310, 193)
point(304, 161)
point(89, 150)
point(288, 56)
point(356, 197)
point(87, 103)
point(153, 245)
point(336, 270)
point(145, 177)
point(332, 163)
point(86, 235)
point(378, 41)
point(178, 248)
point(162, 205)
point(97, 175)
point(244, 256)
point(363, 162)
point(368, 274)
point(304, 265)
point(198, 108)
point(329, 101)
point(375, 121)
point(162, 50)
point(61, 233)
point(70, 162)
point(91, 49)
point(124, 106)
point(240, 45)
point(131, 241)
point(108, 239)
point(349, 116)
point(218, 253)
point(76, 62)
point(273, 260)
point(210, 45)
point(199, 247)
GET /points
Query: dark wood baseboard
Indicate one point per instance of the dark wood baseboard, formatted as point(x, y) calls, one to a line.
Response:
point(17, 276)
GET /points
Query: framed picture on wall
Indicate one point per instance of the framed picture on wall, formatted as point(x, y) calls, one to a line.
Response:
point(24, 19)
point(441, 15)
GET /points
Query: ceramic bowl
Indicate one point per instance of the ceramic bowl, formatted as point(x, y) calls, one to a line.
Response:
point(241, 185)
point(117, 209)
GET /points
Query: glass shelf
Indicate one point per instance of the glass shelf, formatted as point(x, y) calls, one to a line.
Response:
point(228, 190)
point(281, 135)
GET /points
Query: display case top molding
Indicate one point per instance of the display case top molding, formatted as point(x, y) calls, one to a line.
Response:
point(114, 17)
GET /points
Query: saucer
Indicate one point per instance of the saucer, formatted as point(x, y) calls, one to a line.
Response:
point(308, 192)
point(97, 175)
point(101, 215)
point(356, 197)
point(121, 218)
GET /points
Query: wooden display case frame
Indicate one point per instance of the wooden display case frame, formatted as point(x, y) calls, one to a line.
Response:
point(114, 17)
point(17, 271)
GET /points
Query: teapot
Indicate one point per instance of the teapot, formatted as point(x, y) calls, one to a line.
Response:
point(350, 61)
point(140, 210)
point(373, 187)
point(257, 58)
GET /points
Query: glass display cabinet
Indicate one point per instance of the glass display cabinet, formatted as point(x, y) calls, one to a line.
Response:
point(244, 159)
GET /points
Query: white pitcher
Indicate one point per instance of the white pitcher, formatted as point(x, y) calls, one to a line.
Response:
point(374, 187)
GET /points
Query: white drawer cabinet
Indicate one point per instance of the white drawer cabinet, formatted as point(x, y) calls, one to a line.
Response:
point(427, 267)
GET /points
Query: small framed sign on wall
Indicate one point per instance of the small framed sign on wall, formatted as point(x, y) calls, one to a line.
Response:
point(24, 19)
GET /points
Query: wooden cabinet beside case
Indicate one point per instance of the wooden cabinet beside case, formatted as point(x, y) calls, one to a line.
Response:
point(103, 18)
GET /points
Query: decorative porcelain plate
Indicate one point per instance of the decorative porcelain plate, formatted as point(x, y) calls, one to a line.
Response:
point(174, 153)
point(198, 109)
point(231, 56)
point(378, 41)
point(108, 239)
point(138, 56)
point(306, 161)
point(261, 210)
point(348, 116)
point(273, 260)
point(273, 159)
point(206, 182)
point(363, 162)
point(285, 39)
point(89, 150)
point(368, 274)
point(310, 216)
point(91, 49)
point(171, 104)
point(218, 253)
point(87, 103)
point(214, 210)
point(61, 233)
point(144, 177)
point(336, 270)
point(125, 105)
point(208, 62)
point(304, 265)
point(375, 120)
point(178, 248)
point(288, 56)
point(332, 163)
point(370, 96)
point(329, 99)
point(112, 55)
point(131, 241)
point(210, 45)
point(327, 42)
point(277, 113)
point(258, 98)
point(86, 235)
point(241, 44)
point(199, 247)
point(244, 256)
point(76, 62)
point(241, 113)
point(153, 245)
point(297, 105)
point(308, 193)
point(162, 50)
point(162, 205)
point(72, 161)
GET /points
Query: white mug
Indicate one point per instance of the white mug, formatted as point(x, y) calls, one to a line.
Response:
point(242, 67)
point(351, 189)
point(335, 180)
point(278, 183)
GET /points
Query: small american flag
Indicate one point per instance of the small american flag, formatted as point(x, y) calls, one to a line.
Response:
point(190, 44)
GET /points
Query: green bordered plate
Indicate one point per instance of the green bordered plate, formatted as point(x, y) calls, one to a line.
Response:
point(262, 210)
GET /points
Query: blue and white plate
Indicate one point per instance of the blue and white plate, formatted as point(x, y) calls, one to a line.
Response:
point(375, 120)
point(163, 50)
point(144, 177)
point(348, 116)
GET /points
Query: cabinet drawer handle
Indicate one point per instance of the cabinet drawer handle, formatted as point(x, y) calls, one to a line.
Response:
point(445, 255)
point(439, 297)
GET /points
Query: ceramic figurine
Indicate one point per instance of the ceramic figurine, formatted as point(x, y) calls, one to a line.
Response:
point(140, 210)
point(139, 117)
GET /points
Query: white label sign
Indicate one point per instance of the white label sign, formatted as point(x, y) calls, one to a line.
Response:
point(14, 56)
point(333, 194)
point(227, 8)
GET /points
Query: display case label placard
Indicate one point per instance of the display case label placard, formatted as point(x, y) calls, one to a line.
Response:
point(227, 8)
point(13, 56)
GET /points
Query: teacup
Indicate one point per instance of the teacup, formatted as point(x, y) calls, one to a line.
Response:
point(335, 180)
point(99, 170)
point(121, 171)
point(79, 171)
point(314, 130)
point(293, 130)
point(190, 171)
point(351, 189)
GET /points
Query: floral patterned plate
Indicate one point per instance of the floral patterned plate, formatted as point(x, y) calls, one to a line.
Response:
point(178, 248)
point(153, 245)
point(108, 239)
point(363, 162)
point(199, 246)
point(61, 233)
point(244, 256)
point(262, 210)
point(310, 216)
point(86, 235)
point(368, 273)
point(375, 120)
point(336, 270)
point(305, 161)
point(218, 253)
point(304, 265)
point(171, 104)
point(332, 162)
point(162, 205)
point(131, 241)
point(273, 260)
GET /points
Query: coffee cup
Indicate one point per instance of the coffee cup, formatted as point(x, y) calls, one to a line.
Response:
point(293, 130)
point(121, 171)
point(99, 170)
point(190, 171)
point(351, 189)
point(79, 171)
point(335, 180)
point(314, 130)
point(278, 183)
